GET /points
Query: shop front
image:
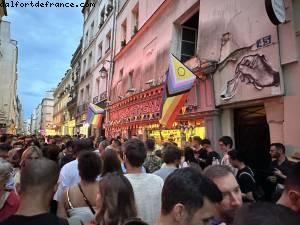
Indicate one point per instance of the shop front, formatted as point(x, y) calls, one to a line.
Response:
point(139, 116)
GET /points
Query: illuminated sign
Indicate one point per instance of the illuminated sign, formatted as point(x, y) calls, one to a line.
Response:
point(151, 106)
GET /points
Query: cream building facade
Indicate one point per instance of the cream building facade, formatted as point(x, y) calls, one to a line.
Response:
point(8, 79)
point(97, 46)
point(61, 98)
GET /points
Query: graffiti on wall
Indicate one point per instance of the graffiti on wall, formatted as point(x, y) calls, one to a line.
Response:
point(251, 70)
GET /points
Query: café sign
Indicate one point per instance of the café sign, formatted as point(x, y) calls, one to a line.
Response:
point(147, 107)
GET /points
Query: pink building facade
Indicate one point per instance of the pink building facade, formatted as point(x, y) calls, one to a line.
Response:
point(256, 74)
point(249, 71)
point(146, 33)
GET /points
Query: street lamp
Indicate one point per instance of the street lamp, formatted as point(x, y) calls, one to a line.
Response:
point(103, 72)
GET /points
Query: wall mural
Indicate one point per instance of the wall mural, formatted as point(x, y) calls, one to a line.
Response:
point(239, 41)
point(251, 70)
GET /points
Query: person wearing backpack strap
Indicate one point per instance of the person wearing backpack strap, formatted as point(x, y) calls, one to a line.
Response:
point(245, 175)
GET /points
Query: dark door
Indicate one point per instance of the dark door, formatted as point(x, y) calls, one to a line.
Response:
point(252, 136)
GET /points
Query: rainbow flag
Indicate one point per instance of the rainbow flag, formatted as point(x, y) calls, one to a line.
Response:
point(94, 115)
point(179, 81)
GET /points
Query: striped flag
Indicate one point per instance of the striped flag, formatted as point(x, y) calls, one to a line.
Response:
point(179, 81)
point(94, 115)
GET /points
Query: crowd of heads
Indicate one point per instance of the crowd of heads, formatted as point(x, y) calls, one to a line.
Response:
point(190, 194)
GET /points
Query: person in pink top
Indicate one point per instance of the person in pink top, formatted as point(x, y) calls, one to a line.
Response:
point(9, 200)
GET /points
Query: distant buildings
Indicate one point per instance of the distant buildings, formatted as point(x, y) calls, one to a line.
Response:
point(41, 121)
point(10, 106)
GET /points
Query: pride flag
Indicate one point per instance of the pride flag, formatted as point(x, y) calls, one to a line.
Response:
point(94, 115)
point(179, 81)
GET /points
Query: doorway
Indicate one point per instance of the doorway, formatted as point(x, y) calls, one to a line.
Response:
point(252, 136)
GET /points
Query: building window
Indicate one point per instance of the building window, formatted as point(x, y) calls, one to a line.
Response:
point(92, 32)
point(108, 40)
point(124, 32)
point(189, 31)
point(130, 80)
point(102, 14)
point(86, 39)
point(84, 66)
point(121, 74)
point(99, 51)
point(87, 91)
point(97, 86)
point(81, 96)
point(90, 62)
point(135, 19)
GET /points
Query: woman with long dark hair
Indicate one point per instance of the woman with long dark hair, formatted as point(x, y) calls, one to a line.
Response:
point(115, 201)
point(111, 162)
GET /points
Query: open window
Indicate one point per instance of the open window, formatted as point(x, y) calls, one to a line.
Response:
point(189, 32)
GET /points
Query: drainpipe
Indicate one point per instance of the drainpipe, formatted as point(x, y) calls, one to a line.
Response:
point(113, 49)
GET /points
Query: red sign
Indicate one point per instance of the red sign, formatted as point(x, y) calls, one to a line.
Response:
point(151, 106)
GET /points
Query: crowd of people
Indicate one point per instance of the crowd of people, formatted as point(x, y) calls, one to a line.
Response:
point(65, 180)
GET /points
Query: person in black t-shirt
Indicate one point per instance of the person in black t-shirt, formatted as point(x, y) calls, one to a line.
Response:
point(212, 156)
point(280, 165)
point(199, 152)
point(245, 176)
point(38, 182)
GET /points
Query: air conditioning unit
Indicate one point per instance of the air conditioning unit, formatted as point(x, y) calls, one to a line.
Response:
point(131, 90)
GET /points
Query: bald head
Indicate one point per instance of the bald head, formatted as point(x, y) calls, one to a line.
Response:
point(39, 175)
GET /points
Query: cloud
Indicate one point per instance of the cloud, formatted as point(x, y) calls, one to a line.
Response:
point(47, 38)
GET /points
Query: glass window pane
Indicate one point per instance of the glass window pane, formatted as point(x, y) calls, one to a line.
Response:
point(188, 35)
point(188, 48)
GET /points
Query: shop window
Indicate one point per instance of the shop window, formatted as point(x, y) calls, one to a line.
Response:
point(189, 31)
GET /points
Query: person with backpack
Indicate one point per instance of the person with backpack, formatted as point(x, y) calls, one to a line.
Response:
point(245, 176)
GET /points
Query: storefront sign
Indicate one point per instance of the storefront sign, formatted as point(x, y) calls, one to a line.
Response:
point(276, 11)
point(147, 107)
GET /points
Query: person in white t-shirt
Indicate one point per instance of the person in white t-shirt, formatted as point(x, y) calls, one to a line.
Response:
point(69, 174)
point(146, 187)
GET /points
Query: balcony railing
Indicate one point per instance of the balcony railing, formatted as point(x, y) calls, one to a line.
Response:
point(100, 98)
point(95, 100)
point(103, 96)
point(72, 101)
point(82, 108)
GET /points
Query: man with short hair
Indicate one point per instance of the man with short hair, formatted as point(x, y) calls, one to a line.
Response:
point(226, 144)
point(280, 165)
point(152, 162)
point(212, 156)
point(188, 198)
point(264, 213)
point(245, 175)
point(38, 184)
point(225, 180)
point(198, 151)
point(291, 195)
point(146, 187)
point(171, 159)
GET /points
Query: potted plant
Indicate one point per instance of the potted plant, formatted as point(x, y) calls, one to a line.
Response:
point(123, 43)
point(135, 29)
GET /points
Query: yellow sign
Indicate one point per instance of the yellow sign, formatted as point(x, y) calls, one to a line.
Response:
point(177, 135)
